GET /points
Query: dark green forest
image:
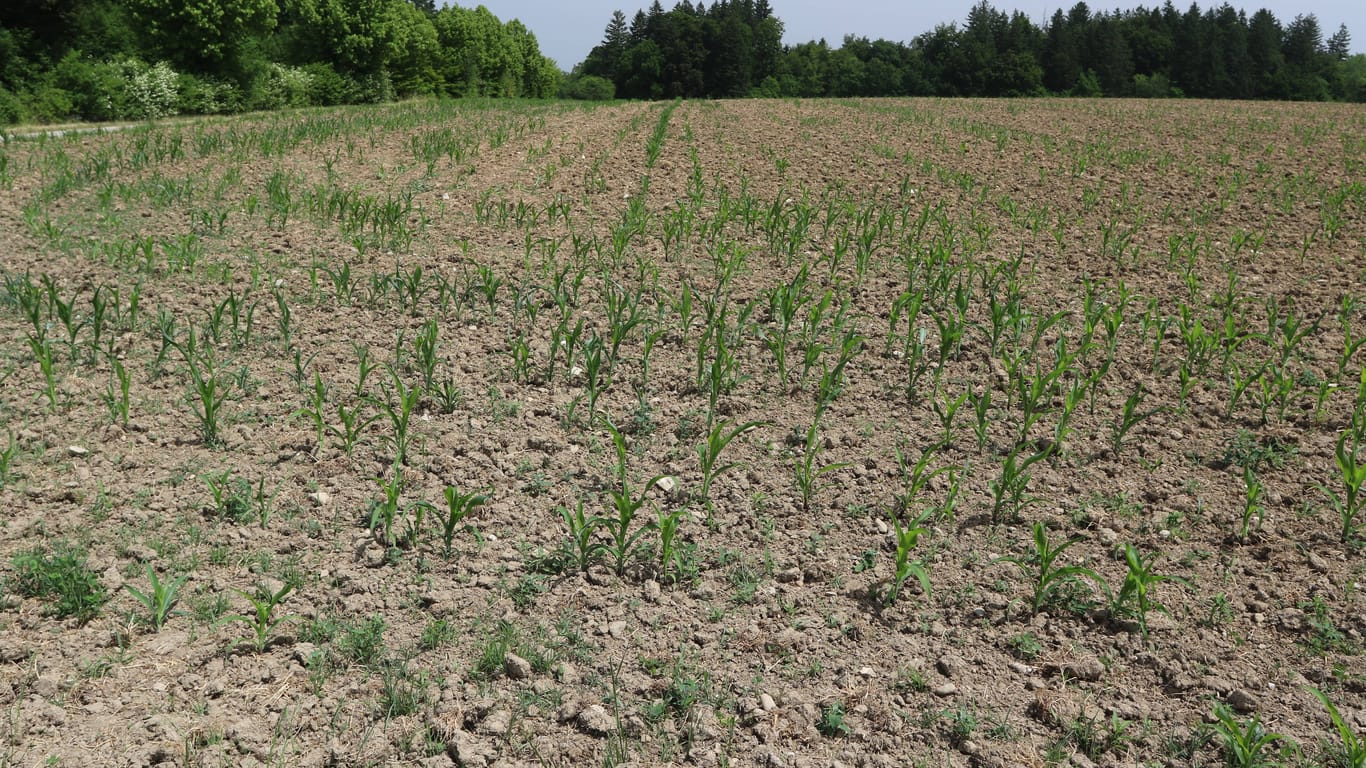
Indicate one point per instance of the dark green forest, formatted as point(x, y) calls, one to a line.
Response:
point(733, 48)
point(133, 59)
point(126, 59)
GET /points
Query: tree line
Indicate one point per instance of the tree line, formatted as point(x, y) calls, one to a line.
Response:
point(130, 59)
point(733, 48)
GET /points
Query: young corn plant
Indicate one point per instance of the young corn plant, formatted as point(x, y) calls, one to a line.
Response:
point(907, 537)
point(1245, 743)
point(1045, 575)
point(284, 318)
point(666, 525)
point(1351, 475)
point(7, 455)
point(916, 477)
point(1253, 508)
point(784, 303)
point(808, 470)
point(314, 412)
point(947, 411)
point(385, 513)
point(832, 380)
point(981, 413)
point(1275, 387)
point(42, 352)
point(1240, 381)
point(1351, 747)
point(1008, 490)
point(583, 547)
point(160, 599)
point(626, 506)
point(1135, 597)
point(351, 424)
point(1130, 415)
point(262, 620)
point(115, 395)
point(208, 391)
point(364, 367)
point(709, 455)
point(231, 496)
point(424, 352)
point(398, 404)
point(596, 373)
point(458, 507)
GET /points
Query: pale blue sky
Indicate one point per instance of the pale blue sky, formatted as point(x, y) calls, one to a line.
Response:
point(567, 31)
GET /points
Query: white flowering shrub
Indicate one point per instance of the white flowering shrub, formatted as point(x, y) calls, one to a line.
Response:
point(286, 87)
point(151, 91)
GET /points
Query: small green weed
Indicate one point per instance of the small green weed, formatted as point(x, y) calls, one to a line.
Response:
point(61, 577)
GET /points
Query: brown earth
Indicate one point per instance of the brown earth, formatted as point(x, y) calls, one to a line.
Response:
point(769, 639)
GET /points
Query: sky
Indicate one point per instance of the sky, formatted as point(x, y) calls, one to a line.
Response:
point(567, 31)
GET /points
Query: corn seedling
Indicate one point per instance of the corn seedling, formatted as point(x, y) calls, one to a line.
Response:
point(7, 458)
point(1035, 392)
point(489, 283)
point(166, 334)
point(1252, 504)
point(666, 525)
point(1351, 747)
point(64, 311)
point(625, 504)
point(364, 367)
point(1130, 415)
point(907, 537)
point(351, 423)
point(709, 455)
point(624, 315)
point(916, 477)
point(262, 620)
point(1350, 345)
point(947, 410)
point(458, 507)
point(520, 352)
point(1008, 490)
point(784, 302)
point(1135, 597)
point(446, 395)
point(564, 339)
point(263, 503)
point(807, 470)
point(314, 412)
point(424, 352)
point(981, 412)
point(398, 404)
point(583, 547)
point(343, 287)
point(116, 394)
point(832, 380)
point(42, 352)
point(284, 318)
point(1071, 399)
point(160, 599)
point(596, 377)
point(208, 391)
point(1244, 742)
point(1042, 569)
point(385, 511)
point(1352, 475)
